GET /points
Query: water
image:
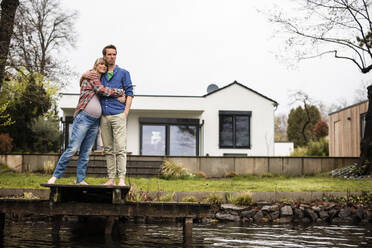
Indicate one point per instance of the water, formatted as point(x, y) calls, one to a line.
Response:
point(38, 234)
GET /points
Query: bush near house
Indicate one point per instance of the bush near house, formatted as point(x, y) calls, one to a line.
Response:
point(172, 170)
point(5, 143)
point(317, 148)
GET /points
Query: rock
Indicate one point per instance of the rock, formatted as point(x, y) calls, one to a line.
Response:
point(248, 213)
point(344, 212)
point(271, 208)
point(369, 216)
point(304, 206)
point(298, 213)
point(316, 208)
point(339, 220)
point(232, 207)
point(360, 213)
point(333, 213)
point(265, 220)
point(258, 216)
point(310, 213)
point(246, 220)
point(284, 220)
point(263, 203)
point(233, 212)
point(274, 215)
point(227, 217)
point(330, 206)
point(306, 220)
point(286, 211)
point(323, 215)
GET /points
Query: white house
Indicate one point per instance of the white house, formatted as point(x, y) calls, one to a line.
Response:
point(227, 121)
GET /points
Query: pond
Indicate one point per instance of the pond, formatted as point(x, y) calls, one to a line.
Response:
point(38, 234)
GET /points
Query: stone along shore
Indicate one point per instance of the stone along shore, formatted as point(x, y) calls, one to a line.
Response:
point(302, 213)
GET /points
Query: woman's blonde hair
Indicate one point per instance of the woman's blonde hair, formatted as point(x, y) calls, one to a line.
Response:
point(98, 62)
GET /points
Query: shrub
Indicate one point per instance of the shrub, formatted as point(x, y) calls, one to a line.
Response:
point(318, 148)
point(299, 152)
point(48, 167)
point(135, 195)
point(167, 198)
point(244, 199)
point(5, 143)
point(201, 174)
point(320, 129)
point(230, 174)
point(172, 170)
point(315, 148)
point(229, 197)
point(189, 199)
point(213, 199)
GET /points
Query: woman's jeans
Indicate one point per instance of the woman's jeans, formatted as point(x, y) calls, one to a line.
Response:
point(84, 133)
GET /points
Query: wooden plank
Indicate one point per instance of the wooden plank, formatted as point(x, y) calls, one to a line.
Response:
point(129, 209)
point(87, 193)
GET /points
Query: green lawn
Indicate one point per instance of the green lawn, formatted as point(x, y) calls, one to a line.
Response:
point(237, 184)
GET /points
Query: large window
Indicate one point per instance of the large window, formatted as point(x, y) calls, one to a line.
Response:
point(153, 139)
point(235, 129)
point(166, 136)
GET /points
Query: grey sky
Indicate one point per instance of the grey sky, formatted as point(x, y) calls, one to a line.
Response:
point(179, 47)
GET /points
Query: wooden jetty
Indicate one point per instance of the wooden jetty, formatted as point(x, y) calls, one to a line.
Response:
point(99, 200)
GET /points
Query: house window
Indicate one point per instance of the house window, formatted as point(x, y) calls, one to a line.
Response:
point(362, 124)
point(166, 136)
point(235, 129)
point(153, 139)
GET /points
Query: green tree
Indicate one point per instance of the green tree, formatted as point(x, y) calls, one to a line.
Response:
point(301, 122)
point(29, 98)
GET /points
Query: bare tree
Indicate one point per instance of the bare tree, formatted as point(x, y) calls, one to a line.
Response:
point(339, 27)
point(8, 10)
point(280, 127)
point(41, 30)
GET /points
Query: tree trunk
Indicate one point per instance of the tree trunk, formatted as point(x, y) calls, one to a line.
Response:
point(365, 159)
point(8, 10)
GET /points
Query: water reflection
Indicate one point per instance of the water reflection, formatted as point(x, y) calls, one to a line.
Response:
point(73, 234)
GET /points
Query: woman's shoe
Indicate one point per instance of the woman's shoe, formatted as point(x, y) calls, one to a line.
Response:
point(82, 183)
point(52, 180)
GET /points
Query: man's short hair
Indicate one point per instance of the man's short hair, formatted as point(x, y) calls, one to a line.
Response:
point(107, 47)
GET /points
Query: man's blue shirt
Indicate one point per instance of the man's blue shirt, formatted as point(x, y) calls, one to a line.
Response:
point(120, 80)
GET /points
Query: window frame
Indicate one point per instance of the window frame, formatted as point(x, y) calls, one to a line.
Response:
point(167, 122)
point(233, 114)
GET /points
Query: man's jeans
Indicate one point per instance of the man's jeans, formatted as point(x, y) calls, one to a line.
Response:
point(84, 132)
point(114, 137)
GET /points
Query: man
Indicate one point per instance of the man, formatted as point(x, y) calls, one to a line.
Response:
point(114, 118)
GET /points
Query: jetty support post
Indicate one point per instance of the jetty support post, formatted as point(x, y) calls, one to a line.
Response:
point(2, 223)
point(110, 221)
point(56, 223)
point(187, 232)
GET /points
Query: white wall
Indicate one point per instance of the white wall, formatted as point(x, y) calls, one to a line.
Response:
point(283, 148)
point(238, 98)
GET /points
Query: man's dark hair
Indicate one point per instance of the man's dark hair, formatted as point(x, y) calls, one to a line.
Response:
point(107, 47)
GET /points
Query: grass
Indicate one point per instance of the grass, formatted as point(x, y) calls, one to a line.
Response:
point(240, 183)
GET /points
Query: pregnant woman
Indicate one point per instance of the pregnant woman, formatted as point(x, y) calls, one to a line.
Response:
point(86, 123)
